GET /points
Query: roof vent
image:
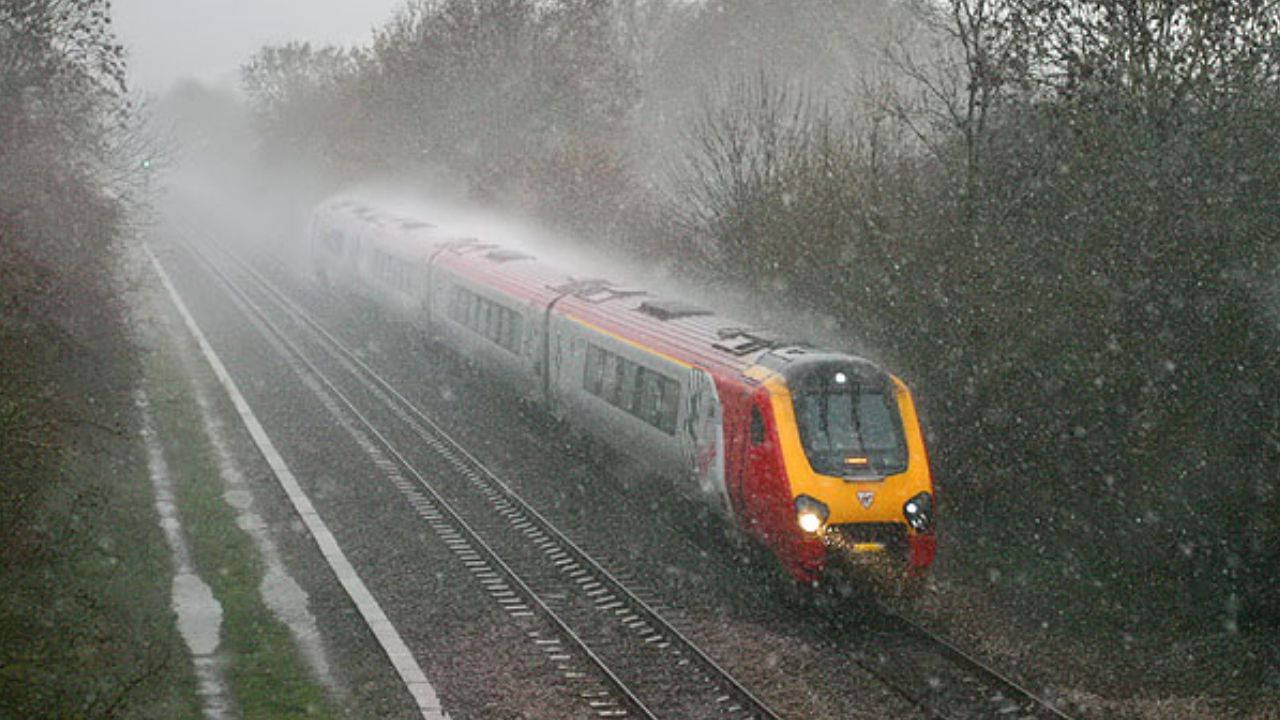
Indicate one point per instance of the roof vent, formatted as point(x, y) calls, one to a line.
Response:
point(464, 246)
point(578, 286)
point(504, 255)
point(671, 309)
point(609, 293)
point(738, 341)
point(594, 290)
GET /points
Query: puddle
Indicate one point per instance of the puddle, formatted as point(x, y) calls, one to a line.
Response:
point(199, 613)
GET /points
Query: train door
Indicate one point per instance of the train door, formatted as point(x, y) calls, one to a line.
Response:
point(703, 444)
point(562, 351)
point(557, 353)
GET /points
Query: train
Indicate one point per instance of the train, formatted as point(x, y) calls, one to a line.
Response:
point(817, 455)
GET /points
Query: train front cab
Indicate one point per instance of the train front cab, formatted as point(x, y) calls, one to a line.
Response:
point(842, 447)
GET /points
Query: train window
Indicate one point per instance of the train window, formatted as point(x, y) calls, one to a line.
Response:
point(517, 331)
point(650, 389)
point(757, 427)
point(610, 384)
point(593, 366)
point(627, 386)
point(635, 383)
point(620, 384)
point(495, 323)
point(641, 392)
point(461, 305)
point(511, 330)
point(837, 424)
point(669, 407)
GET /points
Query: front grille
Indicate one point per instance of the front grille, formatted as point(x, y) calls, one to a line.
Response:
point(893, 536)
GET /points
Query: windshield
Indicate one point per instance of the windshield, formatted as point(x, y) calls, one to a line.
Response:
point(850, 430)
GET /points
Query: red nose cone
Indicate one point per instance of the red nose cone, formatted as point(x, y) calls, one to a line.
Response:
point(923, 548)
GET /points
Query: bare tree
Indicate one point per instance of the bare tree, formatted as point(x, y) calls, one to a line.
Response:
point(959, 60)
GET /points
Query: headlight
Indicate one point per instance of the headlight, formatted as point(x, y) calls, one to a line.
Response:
point(811, 515)
point(919, 512)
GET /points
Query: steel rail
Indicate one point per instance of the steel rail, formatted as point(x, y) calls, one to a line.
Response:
point(973, 664)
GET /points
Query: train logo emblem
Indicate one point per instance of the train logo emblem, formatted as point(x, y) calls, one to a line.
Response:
point(866, 497)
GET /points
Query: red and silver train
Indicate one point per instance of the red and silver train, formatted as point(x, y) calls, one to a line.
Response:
point(818, 455)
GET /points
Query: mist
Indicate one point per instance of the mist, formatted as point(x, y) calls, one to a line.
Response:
point(207, 41)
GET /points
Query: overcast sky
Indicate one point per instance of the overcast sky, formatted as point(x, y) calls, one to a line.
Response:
point(209, 39)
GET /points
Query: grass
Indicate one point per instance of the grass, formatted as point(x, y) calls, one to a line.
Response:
point(268, 677)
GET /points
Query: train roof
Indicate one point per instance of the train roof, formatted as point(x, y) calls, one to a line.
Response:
point(678, 329)
point(371, 214)
point(684, 331)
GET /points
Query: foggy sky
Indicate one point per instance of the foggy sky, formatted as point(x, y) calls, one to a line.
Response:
point(210, 39)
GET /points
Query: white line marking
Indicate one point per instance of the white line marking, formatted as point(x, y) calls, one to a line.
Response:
point(392, 644)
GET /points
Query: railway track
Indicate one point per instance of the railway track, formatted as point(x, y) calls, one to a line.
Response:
point(1010, 699)
point(628, 660)
point(929, 670)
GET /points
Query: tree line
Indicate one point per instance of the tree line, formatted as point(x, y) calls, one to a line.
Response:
point(71, 148)
point(1056, 218)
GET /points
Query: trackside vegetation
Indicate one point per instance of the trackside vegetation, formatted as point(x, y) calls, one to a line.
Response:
point(86, 625)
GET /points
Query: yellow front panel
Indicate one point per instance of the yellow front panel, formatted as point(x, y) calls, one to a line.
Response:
point(887, 496)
